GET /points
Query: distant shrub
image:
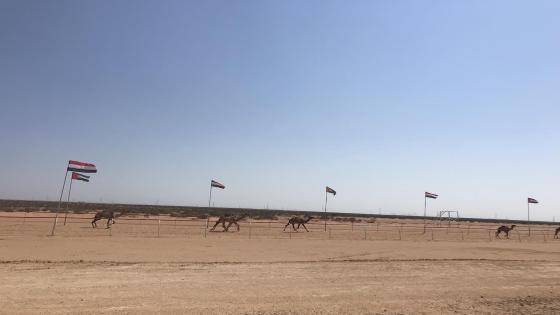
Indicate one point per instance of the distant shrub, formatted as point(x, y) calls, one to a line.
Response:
point(265, 217)
point(346, 219)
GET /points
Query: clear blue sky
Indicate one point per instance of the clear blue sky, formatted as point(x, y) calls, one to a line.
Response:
point(381, 100)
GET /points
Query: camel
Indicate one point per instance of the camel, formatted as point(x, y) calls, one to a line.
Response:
point(557, 232)
point(504, 229)
point(230, 219)
point(105, 214)
point(299, 221)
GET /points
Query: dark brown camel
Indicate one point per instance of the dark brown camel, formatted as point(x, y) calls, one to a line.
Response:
point(229, 219)
point(105, 214)
point(299, 221)
point(557, 232)
point(505, 229)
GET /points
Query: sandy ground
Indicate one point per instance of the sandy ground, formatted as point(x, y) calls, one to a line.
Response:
point(307, 274)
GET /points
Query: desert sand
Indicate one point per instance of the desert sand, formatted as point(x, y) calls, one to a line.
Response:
point(126, 270)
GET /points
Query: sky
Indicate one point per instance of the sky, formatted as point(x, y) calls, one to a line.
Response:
point(380, 100)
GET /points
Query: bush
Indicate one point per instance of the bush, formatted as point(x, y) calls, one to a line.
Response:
point(265, 217)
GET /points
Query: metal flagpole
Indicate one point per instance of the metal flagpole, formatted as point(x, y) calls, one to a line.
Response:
point(326, 194)
point(60, 200)
point(68, 200)
point(424, 213)
point(210, 199)
point(528, 225)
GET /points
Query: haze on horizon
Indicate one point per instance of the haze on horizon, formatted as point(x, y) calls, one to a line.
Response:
point(276, 99)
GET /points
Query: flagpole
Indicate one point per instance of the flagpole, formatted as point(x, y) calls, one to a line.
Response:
point(424, 213)
point(326, 194)
point(68, 200)
point(60, 200)
point(210, 199)
point(528, 225)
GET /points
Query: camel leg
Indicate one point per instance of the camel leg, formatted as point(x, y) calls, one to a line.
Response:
point(108, 223)
point(225, 229)
point(305, 227)
point(294, 227)
point(217, 222)
point(93, 224)
point(507, 235)
point(498, 234)
point(237, 226)
point(285, 226)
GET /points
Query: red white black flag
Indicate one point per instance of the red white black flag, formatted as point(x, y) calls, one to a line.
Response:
point(78, 176)
point(330, 190)
point(214, 183)
point(76, 166)
point(430, 195)
point(531, 200)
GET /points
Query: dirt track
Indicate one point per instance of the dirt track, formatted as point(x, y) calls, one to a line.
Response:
point(136, 275)
point(227, 274)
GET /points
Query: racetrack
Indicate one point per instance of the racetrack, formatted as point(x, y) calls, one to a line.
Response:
point(230, 273)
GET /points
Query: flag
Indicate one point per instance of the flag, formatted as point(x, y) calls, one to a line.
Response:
point(78, 176)
point(214, 183)
point(331, 191)
point(430, 195)
point(81, 167)
point(531, 200)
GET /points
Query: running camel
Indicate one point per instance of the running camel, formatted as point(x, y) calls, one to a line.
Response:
point(505, 229)
point(229, 219)
point(299, 221)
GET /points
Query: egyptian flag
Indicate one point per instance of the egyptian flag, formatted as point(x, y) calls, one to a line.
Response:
point(531, 200)
point(430, 195)
point(81, 167)
point(331, 191)
point(78, 176)
point(214, 183)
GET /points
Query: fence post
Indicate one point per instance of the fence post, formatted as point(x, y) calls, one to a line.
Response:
point(489, 236)
point(205, 229)
point(462, 236)
point(400, 238)
point(158, 223)
point(249, 229)
point(352, 226)
point(329, 234)
point(518, 236)
point(432, 234)
point(365, 234)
